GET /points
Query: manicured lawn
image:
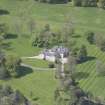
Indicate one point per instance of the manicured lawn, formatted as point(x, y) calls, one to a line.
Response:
point(22, 47)
point(86, 72)
point(36, 63)
point(41, 83)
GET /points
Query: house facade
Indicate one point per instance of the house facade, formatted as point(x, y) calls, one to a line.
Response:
point(50, 54)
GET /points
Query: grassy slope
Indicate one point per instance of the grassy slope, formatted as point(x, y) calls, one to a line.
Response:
point(41, 84)
point(37, 63)
point(89, 80)
point(88, 18)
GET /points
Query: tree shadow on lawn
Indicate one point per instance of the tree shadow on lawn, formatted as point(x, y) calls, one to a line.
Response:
point(4, 12)
point(35, 98)
point(81, 75)
point(89, 58)
point(76, 36)
point(11, 36)
point(23, 71)
point(90, 102)
point(7, 46)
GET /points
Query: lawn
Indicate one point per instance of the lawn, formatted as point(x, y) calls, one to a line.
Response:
point(42, 83)
point(88, 77)
point(37, 63)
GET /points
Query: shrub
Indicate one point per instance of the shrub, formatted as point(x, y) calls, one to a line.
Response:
point(83, 53)
point(51, 65)
point(100, 68)
point(10, 97)
point(102, 4)
point(100, 41)
point(77, 2)
point(53, 1)
point(89, 3)
point(85, 3)
point(45, 38)
point(90, 37)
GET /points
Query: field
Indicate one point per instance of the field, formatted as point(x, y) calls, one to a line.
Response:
point(42, 84)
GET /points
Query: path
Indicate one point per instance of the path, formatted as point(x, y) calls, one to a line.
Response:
point(37, 68)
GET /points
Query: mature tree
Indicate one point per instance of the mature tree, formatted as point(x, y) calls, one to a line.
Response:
point(90, 37)
point(71, 66)
point(13, 64)
point(85, 3)
point(3, 72)
point(53, 1)
point(100, 68)
point(89, 3)
point(3, 30)
point(3, 33)
point(10, 97)
point(102, 4)
point(1, 41)
point(100, 41)
point(102, 46)
point(45, 38)
point(83, 53)
point(77, 2)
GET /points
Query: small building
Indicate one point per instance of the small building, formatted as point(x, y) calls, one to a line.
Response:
point(50, 54)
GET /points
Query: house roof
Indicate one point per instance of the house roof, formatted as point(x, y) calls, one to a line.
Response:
point(56, 49)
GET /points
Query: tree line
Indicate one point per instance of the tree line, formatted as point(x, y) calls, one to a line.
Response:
point(9, 64)
point(89, 3)
point(82, 3)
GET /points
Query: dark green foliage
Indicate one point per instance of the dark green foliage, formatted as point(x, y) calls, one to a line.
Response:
point(53, 1)
point(102, 46)
point(51, 65)
point(89, 3)
point(69, 93)
point(3, 30)
point(90, 37)
point(46, 38)
point(12, 65)
point(85, 3)
point(92, 3)
point(10, 97)
point(82, 53)
point(102, 4)
point(3, 72)
point(9, 66)
point(58, 1)
point(100, 68)
point(100, 41)
point(77, 2)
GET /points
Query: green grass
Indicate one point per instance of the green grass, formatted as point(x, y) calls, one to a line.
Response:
point(90, 80)
point(37, 63)
point(22, 47)
point(42, 83)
